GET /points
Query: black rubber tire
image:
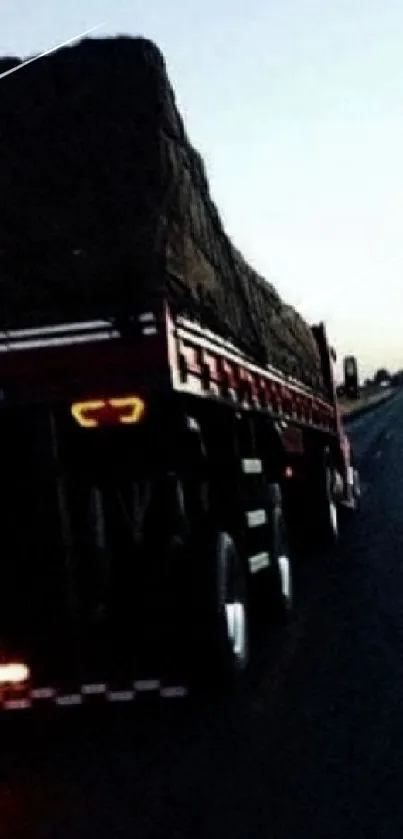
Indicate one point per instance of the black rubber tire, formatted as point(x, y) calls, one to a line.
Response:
point(356, 489)
point(274, 601)
point(283, 601)
point(326, 518)
point(219, 576)
point(311, 511)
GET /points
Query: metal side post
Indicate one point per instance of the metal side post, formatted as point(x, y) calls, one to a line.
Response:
point(69, 560)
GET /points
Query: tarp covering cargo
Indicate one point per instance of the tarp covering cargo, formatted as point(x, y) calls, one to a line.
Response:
point(105, 204)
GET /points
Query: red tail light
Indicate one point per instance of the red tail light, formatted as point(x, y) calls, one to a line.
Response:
point(126, 410)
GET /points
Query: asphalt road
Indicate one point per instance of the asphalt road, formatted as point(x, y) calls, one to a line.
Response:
point(312, 748)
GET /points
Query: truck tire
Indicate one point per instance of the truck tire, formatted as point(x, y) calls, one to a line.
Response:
point(278, 589)
point(326, 513)
point(220, 617)
point(356, 489)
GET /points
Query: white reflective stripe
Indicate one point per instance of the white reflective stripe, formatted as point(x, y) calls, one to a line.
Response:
point(69, 699)
point(93, 690)
point(120, 695)
point(16, 704)
point(196, 328)
point(252, 466)
point(147, 684)
point(57, 329)
point(350, 475)
point(42, 693)
point(259, 561)
point(173, 691)
point(147, 317)
point(256, 518)
point(58, 342)
point(149, 330)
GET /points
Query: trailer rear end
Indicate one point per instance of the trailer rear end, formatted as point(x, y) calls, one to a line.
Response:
point(136, 458)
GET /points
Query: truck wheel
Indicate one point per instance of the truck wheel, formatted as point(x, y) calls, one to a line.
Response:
point(356, 488)
point(326, 514)
point(279, 574)
point(221, 614)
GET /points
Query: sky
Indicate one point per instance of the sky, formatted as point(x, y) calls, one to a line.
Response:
point(297, 109)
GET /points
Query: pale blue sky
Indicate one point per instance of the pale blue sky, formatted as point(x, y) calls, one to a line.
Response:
point(297, 108)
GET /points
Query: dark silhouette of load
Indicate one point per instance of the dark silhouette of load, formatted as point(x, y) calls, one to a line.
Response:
point(105, 206)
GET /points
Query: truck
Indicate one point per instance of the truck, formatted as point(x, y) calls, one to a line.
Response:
point(171, 438)
point(351, 380)
point(159, 486)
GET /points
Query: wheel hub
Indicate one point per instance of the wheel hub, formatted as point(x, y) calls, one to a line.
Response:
point(236, 626)
point(333, 515)
point(285, 576)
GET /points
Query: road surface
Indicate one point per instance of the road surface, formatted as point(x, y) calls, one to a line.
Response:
point(313, 748)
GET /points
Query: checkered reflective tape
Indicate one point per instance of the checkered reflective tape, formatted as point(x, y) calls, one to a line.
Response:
point(146, 685)
point(17, 704)
point(120, 695)
point(98, 689)
point(86, 693)
point(69, 699)
point(42, 693)
point(173, 691)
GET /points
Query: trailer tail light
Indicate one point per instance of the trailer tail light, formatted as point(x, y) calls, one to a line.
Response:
point(13, 673)
point(126, 410)
point(288, 472)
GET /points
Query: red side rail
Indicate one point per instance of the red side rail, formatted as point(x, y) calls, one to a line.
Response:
point(82, 360)
point(205, 365)
point(93, 359)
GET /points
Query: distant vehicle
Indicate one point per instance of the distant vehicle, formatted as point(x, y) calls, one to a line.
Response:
point(351, 380)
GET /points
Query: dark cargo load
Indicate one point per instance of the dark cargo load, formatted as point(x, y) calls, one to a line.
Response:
point(105, 205)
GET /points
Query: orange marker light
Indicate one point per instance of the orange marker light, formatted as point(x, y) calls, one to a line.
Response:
point(125, 410)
